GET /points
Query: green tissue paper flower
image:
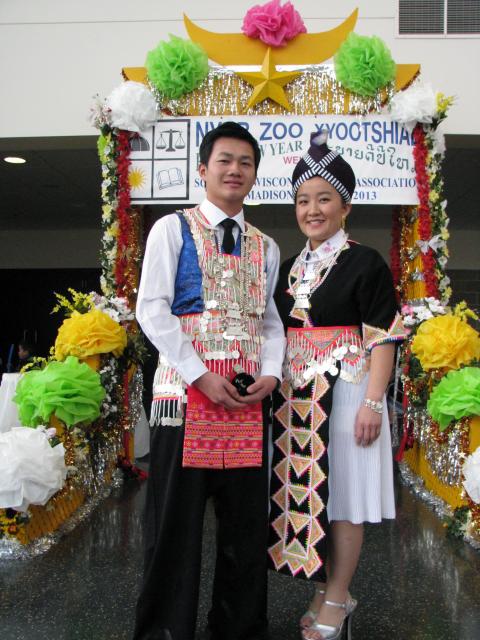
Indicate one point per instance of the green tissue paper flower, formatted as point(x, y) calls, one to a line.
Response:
point(456, 396)
point(364, 64)
point(176, 67)
point(71, 390)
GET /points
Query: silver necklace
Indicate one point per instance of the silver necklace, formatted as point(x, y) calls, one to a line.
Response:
point(304, 286)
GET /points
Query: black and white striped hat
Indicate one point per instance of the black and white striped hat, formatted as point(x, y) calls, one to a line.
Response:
point(327, 164)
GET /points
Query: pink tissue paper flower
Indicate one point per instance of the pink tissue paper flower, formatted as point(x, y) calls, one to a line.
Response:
point(272, 23)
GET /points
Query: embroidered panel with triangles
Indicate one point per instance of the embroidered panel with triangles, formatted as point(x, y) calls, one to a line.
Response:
point(299, 481)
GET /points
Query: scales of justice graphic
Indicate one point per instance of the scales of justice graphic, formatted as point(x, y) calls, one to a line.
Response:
point(170, 146)
point(170, 140)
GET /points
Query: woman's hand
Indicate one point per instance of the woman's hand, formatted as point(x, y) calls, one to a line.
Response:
point(367, 426)
point(368, 422)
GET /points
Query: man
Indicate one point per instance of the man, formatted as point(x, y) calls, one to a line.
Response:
point(205, 301)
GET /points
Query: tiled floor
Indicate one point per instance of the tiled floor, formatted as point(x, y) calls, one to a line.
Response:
point(413, 583)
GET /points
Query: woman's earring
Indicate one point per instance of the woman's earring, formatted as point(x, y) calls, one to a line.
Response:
point(343, 222)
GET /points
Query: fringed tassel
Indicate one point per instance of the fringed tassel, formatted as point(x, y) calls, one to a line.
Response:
point(168, 396)
point(167, 412)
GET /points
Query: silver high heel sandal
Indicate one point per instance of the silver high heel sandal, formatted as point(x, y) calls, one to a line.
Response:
point(311, 615)
point(334, 633)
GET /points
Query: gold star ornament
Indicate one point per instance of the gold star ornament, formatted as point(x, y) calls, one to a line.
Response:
point(269, 83)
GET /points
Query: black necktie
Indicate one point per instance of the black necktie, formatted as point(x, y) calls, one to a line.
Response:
point(228, 240)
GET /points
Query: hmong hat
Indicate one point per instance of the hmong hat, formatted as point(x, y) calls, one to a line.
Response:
point(325, 163)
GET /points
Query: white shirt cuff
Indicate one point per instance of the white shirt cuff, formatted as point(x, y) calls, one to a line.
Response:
point(191, 369)
point(271, 368)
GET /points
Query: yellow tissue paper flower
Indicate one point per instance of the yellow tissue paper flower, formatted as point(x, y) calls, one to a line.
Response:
point(85, 334)
point(445, 342)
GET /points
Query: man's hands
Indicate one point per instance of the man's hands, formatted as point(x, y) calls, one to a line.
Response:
point(219, 390)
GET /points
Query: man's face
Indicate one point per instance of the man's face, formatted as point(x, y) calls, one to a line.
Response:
point(230, 173)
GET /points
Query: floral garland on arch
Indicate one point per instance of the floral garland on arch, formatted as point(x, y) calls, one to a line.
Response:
point(131, 107)
point(419, 251)
point(120, 253)
point(424, 214)
point(439, 362)
point(124, 219)
point(108, 251)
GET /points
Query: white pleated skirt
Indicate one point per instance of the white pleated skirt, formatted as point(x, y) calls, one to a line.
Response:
point(360, 478)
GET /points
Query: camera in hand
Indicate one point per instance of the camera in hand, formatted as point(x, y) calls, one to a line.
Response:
point(241, 382)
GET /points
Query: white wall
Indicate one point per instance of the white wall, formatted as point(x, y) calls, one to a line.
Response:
point(56, 54)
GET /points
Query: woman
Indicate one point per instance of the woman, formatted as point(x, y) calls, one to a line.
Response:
point(337, 302)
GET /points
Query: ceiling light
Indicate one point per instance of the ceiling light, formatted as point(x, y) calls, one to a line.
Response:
point(15, 160)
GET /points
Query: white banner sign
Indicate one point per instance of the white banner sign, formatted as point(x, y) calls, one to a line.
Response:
point(165, 157)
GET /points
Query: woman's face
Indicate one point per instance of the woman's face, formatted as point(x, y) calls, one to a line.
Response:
point(320, 209)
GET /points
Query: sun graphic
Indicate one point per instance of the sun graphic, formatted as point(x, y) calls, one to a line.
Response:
point(136, 178)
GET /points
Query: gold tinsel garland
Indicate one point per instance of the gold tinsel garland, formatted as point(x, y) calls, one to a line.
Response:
point(315, 92)
point(436, 461)
point(134, 258)
point(411, 286)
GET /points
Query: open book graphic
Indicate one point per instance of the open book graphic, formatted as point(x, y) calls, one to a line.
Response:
point(169, 178)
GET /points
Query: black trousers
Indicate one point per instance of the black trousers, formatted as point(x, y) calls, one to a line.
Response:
point(175, 506)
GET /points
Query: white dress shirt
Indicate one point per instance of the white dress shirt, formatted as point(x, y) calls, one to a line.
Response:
point(157, 291)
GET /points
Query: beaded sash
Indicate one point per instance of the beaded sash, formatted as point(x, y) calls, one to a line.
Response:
point(317, 350)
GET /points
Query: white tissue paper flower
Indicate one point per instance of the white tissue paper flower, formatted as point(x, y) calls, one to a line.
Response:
point(418, 103)
point(471, 473)
point(435, 305)
point(438, 142)
point(132, 107)
point(31, 471)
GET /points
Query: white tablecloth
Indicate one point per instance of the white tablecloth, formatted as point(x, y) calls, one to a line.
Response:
point(8, 409)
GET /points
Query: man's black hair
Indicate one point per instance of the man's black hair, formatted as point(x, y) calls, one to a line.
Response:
point(227, 130)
